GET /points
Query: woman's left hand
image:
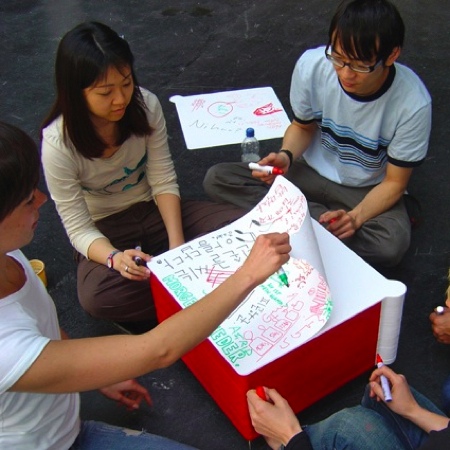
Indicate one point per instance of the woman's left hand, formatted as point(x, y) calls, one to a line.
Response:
point(134, 265)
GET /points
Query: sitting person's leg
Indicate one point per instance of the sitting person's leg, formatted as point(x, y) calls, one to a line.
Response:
point(233, 183)
point(105, 294)
point(411, 435)
point(382, 240)
point(98, 435)
point(446, 396)
point(354, 428)
point(202, 217)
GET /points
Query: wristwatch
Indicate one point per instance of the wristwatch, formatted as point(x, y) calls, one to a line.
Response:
point(109, 259)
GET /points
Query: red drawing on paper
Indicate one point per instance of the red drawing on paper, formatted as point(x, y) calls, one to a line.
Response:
point(217, 277)
point(198, 104)
point(287, 214)
point(266, 110)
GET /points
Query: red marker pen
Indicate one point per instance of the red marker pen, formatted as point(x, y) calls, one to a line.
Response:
point(267, 169)
point(384, 381)
point(261, 393)
point(332, 220)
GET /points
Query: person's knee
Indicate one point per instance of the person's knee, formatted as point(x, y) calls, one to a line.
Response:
point(359, 427)
point(91, 303)
point(341, 430)
point(211, 182)
point(381, 243)
point(391, 254)
point(446, 396)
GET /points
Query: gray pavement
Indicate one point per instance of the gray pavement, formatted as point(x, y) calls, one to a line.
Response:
point(189, 47)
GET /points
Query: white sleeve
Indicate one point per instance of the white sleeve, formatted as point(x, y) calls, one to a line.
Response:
point(409, 145)
point(21, 344)
point(302, 85)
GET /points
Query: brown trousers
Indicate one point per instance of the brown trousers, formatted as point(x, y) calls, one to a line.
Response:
point(104, 293)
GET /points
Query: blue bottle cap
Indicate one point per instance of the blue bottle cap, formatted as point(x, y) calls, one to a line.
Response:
point(250, 132)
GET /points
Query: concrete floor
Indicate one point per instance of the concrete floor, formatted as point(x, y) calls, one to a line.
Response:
point(189, 47)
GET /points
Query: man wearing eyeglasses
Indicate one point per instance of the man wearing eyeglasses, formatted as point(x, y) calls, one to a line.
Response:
point(361, 124)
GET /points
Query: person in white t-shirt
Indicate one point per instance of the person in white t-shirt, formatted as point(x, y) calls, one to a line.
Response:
point(361, 124)
point(42, 371)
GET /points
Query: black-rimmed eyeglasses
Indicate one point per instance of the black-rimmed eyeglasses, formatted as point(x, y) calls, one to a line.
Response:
point(360, 68)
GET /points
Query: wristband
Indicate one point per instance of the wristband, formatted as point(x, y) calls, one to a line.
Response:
point(109, 259)
point(289, 154)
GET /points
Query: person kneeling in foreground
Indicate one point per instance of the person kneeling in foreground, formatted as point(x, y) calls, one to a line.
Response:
point(409, 421)
point(42, 371)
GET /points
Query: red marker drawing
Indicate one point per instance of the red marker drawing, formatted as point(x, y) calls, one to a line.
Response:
point(267, 169)
point(261, 393)
point(384, 381)
point(266, 109)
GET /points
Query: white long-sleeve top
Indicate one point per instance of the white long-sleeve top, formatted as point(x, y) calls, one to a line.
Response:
point(85, 190)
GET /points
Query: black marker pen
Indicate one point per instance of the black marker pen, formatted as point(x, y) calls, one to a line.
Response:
point(137, 259)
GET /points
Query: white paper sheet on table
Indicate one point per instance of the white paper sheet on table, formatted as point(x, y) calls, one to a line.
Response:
point(274, 319)
point(221, 118)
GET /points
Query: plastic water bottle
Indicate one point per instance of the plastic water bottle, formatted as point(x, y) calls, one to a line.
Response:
point(250, 147)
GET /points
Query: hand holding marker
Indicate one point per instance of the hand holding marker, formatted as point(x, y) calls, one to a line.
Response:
point(280, 272)
point(269, 170)
point(282, 276)
point(261, 393)
point(137, 259)
point(384, 382)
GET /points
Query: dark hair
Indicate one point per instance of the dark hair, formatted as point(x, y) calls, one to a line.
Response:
point(84, 56)
point(19, 168)
point(367, 28)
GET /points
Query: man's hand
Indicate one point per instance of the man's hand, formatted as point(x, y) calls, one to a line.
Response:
point(274, 419)
point(128, 393)
point(440, 324)
point(269, 252)
point(280, 160)
point(403, 402)
point(340, 223)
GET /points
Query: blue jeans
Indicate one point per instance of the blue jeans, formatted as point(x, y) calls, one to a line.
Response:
point(369, 426)
point(446, 396)
point(100, 436)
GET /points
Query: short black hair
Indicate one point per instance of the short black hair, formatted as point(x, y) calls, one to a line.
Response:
point(366, 29)
point(19, 168)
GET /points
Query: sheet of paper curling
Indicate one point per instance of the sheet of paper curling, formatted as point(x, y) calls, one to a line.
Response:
point(274, 318)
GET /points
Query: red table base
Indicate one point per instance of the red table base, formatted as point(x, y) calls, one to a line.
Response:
point(303, 376)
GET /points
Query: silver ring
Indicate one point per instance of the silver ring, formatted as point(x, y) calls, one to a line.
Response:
point(126, 269)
